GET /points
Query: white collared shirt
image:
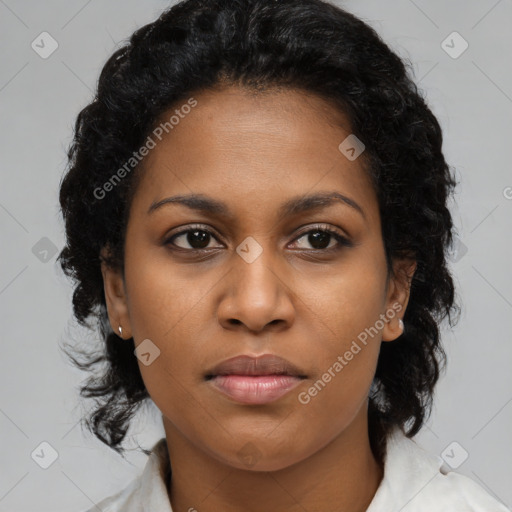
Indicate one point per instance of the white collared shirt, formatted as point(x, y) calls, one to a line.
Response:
point(414, 481)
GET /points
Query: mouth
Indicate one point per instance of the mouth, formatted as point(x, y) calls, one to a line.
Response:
point(255, 380)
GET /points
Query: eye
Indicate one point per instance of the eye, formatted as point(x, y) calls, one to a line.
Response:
point(197, 237)
point(320, 238)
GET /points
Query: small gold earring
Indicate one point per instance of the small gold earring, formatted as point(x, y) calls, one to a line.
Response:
point(120, 329)
point(401, 324)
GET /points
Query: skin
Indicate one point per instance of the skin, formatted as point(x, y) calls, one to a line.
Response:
point(254, 152)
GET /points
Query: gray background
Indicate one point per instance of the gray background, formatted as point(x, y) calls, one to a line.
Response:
point(39, 100)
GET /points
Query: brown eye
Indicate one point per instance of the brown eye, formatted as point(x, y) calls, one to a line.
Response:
point(321, 239)
point(197, 238)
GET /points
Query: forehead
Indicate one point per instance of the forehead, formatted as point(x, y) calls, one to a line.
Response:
point(251, 148)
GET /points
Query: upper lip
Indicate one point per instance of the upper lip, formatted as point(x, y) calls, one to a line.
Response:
point(266, 364)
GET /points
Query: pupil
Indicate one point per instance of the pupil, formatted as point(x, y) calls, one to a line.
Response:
point(198, 239)
point(319, 238)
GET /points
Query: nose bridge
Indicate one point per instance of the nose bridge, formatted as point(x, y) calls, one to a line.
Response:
point(254, 275)
point(256, 293)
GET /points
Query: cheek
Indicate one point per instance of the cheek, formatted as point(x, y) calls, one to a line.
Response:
point(345, 364)
point(161, 306)
point(349, 329)
point(348, 302)
point(163, 297)
point(343, 379)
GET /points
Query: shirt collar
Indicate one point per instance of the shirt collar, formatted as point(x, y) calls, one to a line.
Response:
point(152, 493)
point(408, 469)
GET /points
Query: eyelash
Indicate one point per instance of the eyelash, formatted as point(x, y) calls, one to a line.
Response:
point(342, 241)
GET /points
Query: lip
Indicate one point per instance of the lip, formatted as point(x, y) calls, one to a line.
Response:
point(255, 380)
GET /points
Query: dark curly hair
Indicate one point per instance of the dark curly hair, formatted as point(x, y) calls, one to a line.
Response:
point(307, 45)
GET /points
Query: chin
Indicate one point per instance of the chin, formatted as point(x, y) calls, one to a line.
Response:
point(252, 458)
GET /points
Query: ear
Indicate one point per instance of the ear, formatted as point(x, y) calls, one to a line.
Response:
point(115, 297)
point(397, 298)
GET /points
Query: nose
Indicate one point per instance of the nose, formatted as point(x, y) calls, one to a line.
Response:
point(256, 296)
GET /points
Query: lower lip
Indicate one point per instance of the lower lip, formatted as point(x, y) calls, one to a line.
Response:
point(258, 389)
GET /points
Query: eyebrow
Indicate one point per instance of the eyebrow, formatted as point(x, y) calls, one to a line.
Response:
point(293, 206)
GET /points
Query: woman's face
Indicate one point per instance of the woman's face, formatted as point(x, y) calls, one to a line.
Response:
point(250, 269)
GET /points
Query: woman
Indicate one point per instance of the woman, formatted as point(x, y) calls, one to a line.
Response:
point(256, 214)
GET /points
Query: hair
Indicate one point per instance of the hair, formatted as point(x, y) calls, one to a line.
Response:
point(307, 45)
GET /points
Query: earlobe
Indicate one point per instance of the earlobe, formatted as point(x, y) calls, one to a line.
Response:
point(115, 298)
point(398, 298)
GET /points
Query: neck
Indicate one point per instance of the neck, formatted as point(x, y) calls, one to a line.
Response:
point(343, 475)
